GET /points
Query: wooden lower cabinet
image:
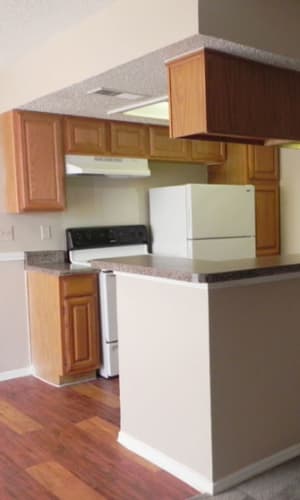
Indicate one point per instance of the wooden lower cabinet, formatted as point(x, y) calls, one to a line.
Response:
point(257, 165)
point(64, 326)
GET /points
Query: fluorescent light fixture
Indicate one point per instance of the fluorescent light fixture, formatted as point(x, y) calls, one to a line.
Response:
point(157, 109)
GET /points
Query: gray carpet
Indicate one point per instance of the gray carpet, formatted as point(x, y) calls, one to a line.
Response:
point(280, 483)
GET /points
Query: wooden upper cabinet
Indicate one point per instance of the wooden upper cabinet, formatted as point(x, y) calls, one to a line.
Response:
point(85, 136)
point(267, 219)
point(208, 152)
point(162, 147)
point(234, 170)
point(34, 161)
point(129, 139)
point(263, 163)
point(225, 97)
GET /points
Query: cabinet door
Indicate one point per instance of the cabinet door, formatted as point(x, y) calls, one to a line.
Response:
point(39, 161)
point(85, 136)
point(262, 163)
point(81, 334)
point(267, 219)
point(128, 139)
point(162, 147)
point(208, 152)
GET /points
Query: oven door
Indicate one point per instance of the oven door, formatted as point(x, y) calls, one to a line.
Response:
point(108, 306)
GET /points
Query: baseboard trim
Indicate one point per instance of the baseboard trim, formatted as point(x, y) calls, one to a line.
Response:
point(198, 481)
point(23, 372)
point(256, 468)
point(182, 472)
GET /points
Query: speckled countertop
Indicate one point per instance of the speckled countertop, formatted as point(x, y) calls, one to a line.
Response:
point(53, 262)
point(201, 271)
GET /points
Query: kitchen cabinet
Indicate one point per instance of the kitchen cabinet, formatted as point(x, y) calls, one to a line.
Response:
point(257, 165)
point(220, 96)
point(103, 137)
point(33, 161)
point(262, 163)
point(129, 139)
point(267, 218)
point(64, 326)
point(164, 148)
point(208, 152)
point(85, 136)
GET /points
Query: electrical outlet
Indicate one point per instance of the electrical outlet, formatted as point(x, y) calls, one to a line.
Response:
point(45, 232)
point(7, 234)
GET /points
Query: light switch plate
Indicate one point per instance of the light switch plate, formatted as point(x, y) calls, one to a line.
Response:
point(7, 234)
point(45, 231)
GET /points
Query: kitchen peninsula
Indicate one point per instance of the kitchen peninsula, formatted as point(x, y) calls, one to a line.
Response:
point(209, 364)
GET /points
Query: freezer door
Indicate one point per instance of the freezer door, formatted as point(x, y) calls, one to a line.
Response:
point(220, 211)
point(222, 249)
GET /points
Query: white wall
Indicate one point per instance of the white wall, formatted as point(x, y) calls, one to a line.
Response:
point(91, 201)
point(290, 200)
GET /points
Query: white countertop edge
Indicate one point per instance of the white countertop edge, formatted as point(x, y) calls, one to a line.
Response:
point(160, 279)
point(11, 256)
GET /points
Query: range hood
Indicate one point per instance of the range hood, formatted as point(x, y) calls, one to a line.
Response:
point(107, 166)
point(218, 96)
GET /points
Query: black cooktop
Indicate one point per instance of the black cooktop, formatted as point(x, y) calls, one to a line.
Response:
point(79, 238)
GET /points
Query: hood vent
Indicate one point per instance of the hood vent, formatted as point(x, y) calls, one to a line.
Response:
point(120, 94)
point(107, 166)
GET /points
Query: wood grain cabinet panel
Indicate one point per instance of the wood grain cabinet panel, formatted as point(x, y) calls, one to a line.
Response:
point(208, 152)
point(64, 326)
point(80, 334)
point(223, 97)
point(263, 163)
point(129, 139)
point(85, 136)
point(267, 219)
point(162, 147)
point(35, 175)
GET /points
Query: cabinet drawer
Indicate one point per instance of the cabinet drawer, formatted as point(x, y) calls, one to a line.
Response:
point(74, 286)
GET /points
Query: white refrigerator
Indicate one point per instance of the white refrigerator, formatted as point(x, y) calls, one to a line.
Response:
point(203, 221)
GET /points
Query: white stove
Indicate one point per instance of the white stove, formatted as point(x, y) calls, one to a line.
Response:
point(88, 243)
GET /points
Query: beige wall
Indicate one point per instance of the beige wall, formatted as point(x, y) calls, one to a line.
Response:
point(255, 369)
point(164, 368)
point(290, 200)
point(255, 23)
point(14, 345)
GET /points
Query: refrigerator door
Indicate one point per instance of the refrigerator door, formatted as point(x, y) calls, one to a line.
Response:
point(220, 211)
point(222, 249)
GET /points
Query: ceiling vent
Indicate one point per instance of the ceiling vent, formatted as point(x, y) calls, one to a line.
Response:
point(115, 93)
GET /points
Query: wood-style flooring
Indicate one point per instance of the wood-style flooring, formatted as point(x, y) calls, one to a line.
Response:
point(61, 443)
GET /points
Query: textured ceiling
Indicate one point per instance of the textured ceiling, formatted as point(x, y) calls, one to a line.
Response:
point(25, 24)
point(145, 76)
